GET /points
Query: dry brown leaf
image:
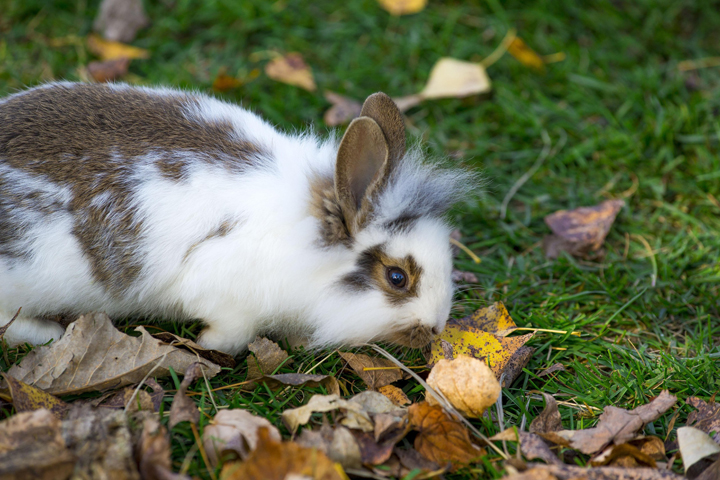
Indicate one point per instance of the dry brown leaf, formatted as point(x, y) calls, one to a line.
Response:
point(395, 395)
point(265, 358)
point(119, 20)
point(233, 434)
point(625, 455)
point(460, 276)
point(291, 69)
point(695, 445)
point(301, 379)
point(706, 418)
point(580, 231)
point(141, 400)
point(440, 437)
point(94, 356)
point(224, 82)
point(483, 335)
point(336, 442)
point(616, 425)
point(374, 379)
point(342, 111)
point(32, 447)
point(220, 358)
point(374, 452)
point(102, 441)
point(549, 419)
point(412, 460)
point(558, 367)
point(531, 446)
point(272, 460)
point(468, 384)
point(525, 55)
point(108, 50)
point(403, 7)
point(568, 472)
point(26, 398)
point(294, 417)
point(152, 450)
point(183, 408)
point(710, 473)
point(390, 425)
point(452, 78)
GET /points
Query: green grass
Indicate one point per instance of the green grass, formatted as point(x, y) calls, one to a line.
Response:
point(635, 127)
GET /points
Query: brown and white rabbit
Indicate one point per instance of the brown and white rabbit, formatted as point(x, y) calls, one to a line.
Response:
point(158, 202)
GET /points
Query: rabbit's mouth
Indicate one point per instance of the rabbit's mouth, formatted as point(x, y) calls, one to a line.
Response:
point(414, 336)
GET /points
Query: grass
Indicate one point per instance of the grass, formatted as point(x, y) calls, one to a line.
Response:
point(635, 127)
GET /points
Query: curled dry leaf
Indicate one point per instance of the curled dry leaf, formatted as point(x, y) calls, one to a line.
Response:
point(233, 433)
point(395, 395)
point(695, 445)
point(531, 446)
point(558, 367)
point(26, 398)
point(94, 356)
point(549, 419)
point(336, 442)
point(403, 7)
point(224, 82)
point(183, 409)
point(580, 231)
point(220, 358)
point(538, 471)
point(342, 111)
point(483, 335)
point(468, 384)
point(706, 418)
point(412, 460)
point(374, 379)
point(467, 277)
point(364, 406)
point(291, 69)
point(440, 438)
point(119, 20)
point(452, 78)
point(525, 55)
point(135, 400)
point(272, 460)
point(266, 356)
point(624, 455)
point(32, 446)
point(616, 425)
point(108, 70)
point(109, 50)
point(152, 451)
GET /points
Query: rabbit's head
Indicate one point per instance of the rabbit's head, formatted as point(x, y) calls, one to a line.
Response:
point(386, 210)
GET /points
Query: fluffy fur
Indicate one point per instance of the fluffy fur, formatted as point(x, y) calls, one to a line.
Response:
point(178, 205)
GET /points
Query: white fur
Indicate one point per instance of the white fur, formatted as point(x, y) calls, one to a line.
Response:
point(269, 274)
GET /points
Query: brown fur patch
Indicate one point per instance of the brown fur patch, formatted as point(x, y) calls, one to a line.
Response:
point(221, 231)
point(415, 336)
point(371, 271)
point(72, 137)
point(325, 206)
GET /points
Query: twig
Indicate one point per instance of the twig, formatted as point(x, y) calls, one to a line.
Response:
point(370, 369)
point(547, 330)
point(5, 327)
point(465, 249)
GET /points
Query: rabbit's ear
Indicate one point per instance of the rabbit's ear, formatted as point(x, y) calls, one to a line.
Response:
point(362, 164)
point(385, 112)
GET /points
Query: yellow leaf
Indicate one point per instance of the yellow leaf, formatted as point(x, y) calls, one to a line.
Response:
point(108, 50)
point(403, 7)
point(26, 398)
point(466, 382)
point(454, 78)
point(395, 394)
point(482, 335)
point(525, 54)
point(291, 69)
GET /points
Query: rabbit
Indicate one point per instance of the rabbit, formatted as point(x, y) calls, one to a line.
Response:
point(156, 202)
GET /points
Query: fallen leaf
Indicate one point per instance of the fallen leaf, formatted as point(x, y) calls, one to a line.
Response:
point(102, 441)
point(525, 55)
point(390, 425)
point(706, 418)
point(372, 451)
point(32, 446)
point(26, 398)
point(109, 50)
point(695, 446)
point(119, 20)
point(294, 417)
point(342, 111)
point(460, 276)
point(468, 384)
point(374, 379)
point(412, 460)
point(183, 409)
point(291, 69)
point(710, 473)
point(395, 395)
point(558, 367)
point(301, 379)
point(141, 400)
point(582, 230)
point(403, 7)
point(336, 442)
point(93, 355)
point(616, 425)
point(265, 358)
point(625, 455)
point(224, 82)
point(440, 437)
point(531, 445)
point(483, 335)
point(220, 358)
point(537, 471)
point(272, 460)
point(452, 78)
point(549, 419)
point(234, 432)
point(152, 451)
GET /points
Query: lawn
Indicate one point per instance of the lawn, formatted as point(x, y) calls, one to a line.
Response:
point(624, 123)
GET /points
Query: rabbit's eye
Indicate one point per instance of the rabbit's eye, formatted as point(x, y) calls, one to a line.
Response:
point(397, 277)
